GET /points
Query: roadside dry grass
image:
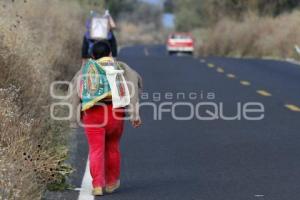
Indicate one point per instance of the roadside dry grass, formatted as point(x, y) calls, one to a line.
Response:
point(30, 159)
point(39, 42)
point(252, 37)
point(130, 33)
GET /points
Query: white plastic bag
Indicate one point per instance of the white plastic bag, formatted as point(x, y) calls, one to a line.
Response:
point(118, 86)
point(99, 28)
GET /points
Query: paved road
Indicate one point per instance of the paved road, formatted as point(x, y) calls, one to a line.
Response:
point(210, 160)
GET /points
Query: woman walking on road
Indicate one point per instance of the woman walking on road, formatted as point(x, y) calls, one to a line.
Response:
point(102, 115)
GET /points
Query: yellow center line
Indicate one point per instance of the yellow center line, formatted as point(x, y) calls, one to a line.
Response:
point(245, 83)
point(264, 93)
point(292, 107)
point(210, 65)
point(231, 76)
point(220, 70)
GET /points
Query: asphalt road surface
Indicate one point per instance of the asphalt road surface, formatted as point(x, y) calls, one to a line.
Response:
point(200, 159)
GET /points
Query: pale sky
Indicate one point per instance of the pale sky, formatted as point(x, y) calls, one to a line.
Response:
point(154, 1)
point(168, 19)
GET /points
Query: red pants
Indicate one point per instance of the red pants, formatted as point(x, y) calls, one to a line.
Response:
point(104, 140)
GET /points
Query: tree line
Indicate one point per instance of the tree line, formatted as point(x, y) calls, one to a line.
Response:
point(203, 13)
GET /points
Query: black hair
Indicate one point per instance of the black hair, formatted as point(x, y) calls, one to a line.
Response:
point(101, 49)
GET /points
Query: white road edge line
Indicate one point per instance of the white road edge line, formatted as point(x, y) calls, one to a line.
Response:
point(86, 185)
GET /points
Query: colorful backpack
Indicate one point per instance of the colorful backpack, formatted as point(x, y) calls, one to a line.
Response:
point(103, 79)
point(94, 85)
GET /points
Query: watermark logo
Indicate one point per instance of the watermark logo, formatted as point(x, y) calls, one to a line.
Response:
point(179, 106)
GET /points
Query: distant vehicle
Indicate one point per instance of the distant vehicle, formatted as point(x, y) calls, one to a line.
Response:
point(180, 43)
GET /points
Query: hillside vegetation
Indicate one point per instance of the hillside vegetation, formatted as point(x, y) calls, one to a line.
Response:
point(242, 28)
